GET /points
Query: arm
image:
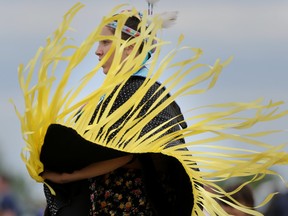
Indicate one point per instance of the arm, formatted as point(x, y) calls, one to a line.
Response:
point(92, 170)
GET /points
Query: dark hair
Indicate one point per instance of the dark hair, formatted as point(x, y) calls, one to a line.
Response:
point(244, 196)
point(133, 23)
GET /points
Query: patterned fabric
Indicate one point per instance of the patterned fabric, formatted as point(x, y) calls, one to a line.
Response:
point(70, 199)
point(170, 115)
point(53, 203)
point(119, 193)
point(125, 29)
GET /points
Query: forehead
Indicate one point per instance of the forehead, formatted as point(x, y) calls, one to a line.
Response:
point(106, 31)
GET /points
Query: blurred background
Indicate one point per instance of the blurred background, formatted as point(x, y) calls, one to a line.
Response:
point(255, 33)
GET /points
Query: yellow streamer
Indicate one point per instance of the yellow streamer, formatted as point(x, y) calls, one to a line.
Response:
point(45, 105)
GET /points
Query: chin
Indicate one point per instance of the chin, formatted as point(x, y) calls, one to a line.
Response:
point(105, 71)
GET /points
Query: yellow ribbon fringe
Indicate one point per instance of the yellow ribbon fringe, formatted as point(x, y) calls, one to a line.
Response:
point(45, 105)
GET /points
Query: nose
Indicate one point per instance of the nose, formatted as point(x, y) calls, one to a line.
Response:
point(99, 51)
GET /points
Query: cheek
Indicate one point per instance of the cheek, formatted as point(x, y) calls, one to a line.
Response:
point(126, 53)
point(106, 49)
point(111, 57)
point(124, 56)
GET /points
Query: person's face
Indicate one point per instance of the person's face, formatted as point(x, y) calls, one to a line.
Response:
point(103, 48)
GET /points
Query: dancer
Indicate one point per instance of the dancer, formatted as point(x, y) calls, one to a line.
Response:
point(129, 184)
point(131, 126)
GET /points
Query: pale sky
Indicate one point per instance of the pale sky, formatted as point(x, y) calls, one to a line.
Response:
point(254, 32)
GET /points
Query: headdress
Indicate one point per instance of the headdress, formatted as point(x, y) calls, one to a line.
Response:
point(126, 29)
point(167, 20)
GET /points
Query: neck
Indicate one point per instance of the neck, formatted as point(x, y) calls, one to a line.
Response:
point(143, 72)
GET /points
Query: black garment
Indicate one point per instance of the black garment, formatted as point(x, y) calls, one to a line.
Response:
point(71, 199)
point(167, 184)
point(64, 150)
point(278, 205)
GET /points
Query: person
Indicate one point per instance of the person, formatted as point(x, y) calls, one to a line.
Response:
point(118, 183)
point(244, 196)
point(8, 203)
point(122, 147)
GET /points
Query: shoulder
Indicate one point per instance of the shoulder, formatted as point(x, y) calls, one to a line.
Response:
point(134, 82)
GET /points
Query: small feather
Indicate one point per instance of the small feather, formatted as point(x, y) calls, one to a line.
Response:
point(168, 18)
point(152, 1)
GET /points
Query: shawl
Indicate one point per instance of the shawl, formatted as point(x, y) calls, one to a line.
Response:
point(64, 150)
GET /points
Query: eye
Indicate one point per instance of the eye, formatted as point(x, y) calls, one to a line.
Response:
point(106, 42)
